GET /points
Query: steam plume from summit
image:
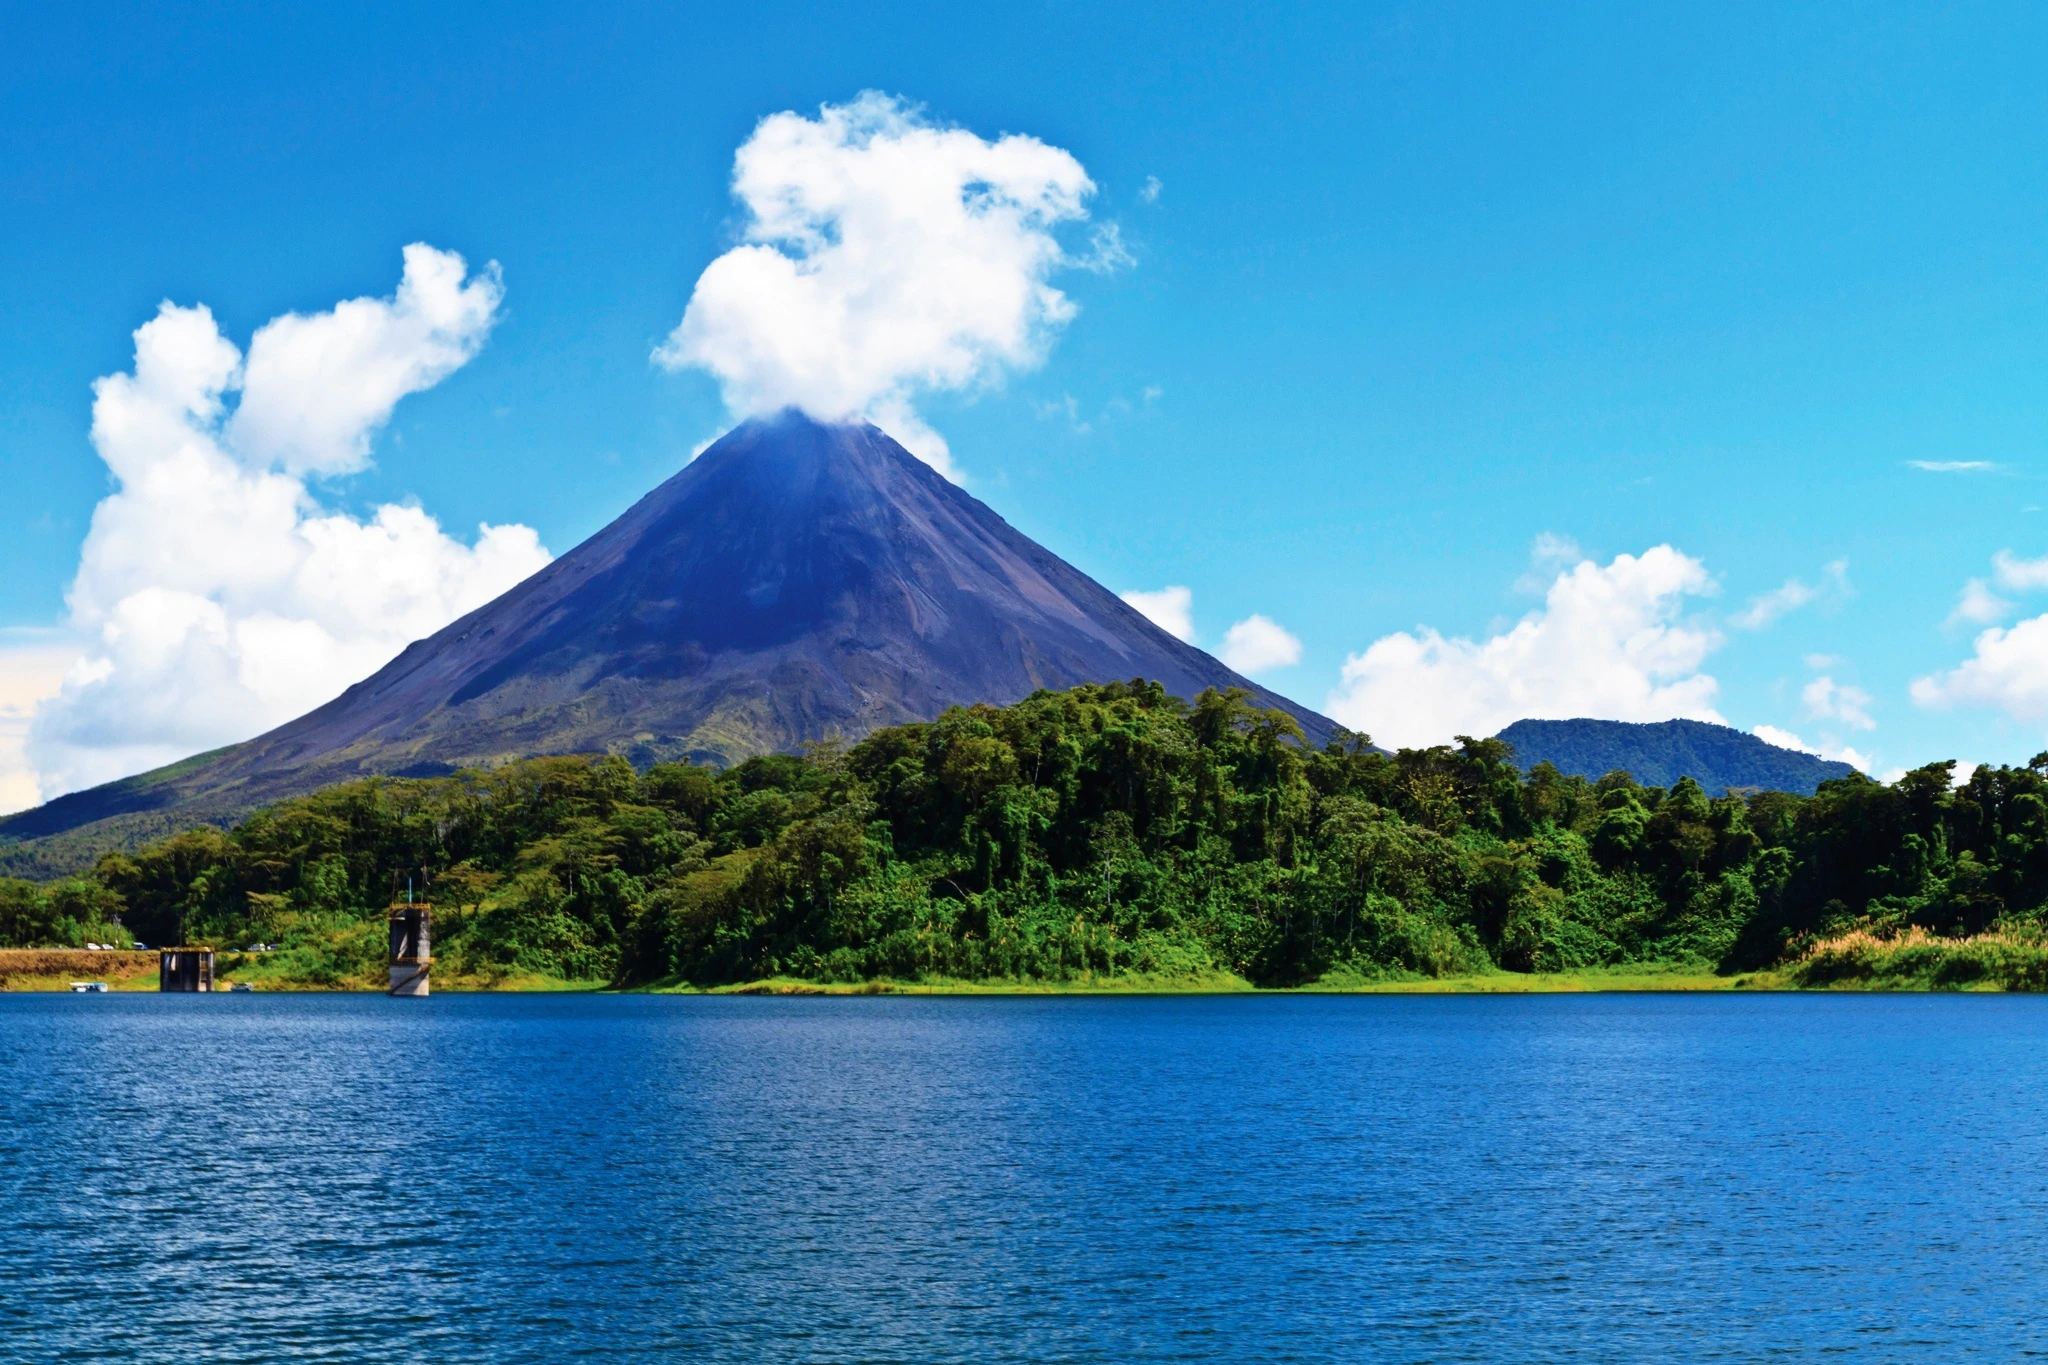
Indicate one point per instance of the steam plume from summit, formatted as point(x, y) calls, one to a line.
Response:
point(883, 256)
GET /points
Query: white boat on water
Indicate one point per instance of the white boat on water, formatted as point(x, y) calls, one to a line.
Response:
point(88, 987)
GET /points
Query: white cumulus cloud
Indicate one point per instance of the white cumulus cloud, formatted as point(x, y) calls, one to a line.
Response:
point(1258, 644)
point(2008, 667)
point(1784, 739)
point(1609, 642)
point(216, 596)
point(32, 668)
point(316, 389)
point(1171, 609)
point(2007, 670)
point(1840, 753)
point(884, 256)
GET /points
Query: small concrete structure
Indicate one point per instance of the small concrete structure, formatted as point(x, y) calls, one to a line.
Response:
point(411, 949)
point(185, 968)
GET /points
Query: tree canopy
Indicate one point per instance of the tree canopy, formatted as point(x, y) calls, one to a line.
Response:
point(1108, 829)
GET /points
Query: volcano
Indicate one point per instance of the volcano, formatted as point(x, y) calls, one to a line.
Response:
point(797, 581)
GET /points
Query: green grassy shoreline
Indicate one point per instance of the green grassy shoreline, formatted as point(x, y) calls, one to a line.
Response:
point(1854, 962)
point(53, 971)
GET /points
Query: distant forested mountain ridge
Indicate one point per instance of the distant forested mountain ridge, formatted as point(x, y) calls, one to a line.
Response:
point(1658, 754)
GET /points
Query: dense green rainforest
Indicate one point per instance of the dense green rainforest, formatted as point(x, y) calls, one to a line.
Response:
point(1105, 831)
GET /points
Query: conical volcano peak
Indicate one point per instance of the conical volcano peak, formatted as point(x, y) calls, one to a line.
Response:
point(794, 436)
point(797, 447)
point(799, 579)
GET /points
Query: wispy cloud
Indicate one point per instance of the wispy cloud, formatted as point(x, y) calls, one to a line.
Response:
point(1066, 407)
point(1952, 466)
point(1549, 555)
point(1150, 193)
point(1826, 699)
point(1977, 605)
point(1792, 595)
point(2019, 575)
point(1106, 253)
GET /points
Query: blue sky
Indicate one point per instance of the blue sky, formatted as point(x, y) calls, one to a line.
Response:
point(1419, 286)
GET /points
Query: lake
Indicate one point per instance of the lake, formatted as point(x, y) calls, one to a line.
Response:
point(557, 1178)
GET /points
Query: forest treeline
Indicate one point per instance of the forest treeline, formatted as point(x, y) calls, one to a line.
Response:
point(1104, 830)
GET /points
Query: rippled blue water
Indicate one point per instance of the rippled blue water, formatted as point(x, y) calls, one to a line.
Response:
point(534, 1178)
